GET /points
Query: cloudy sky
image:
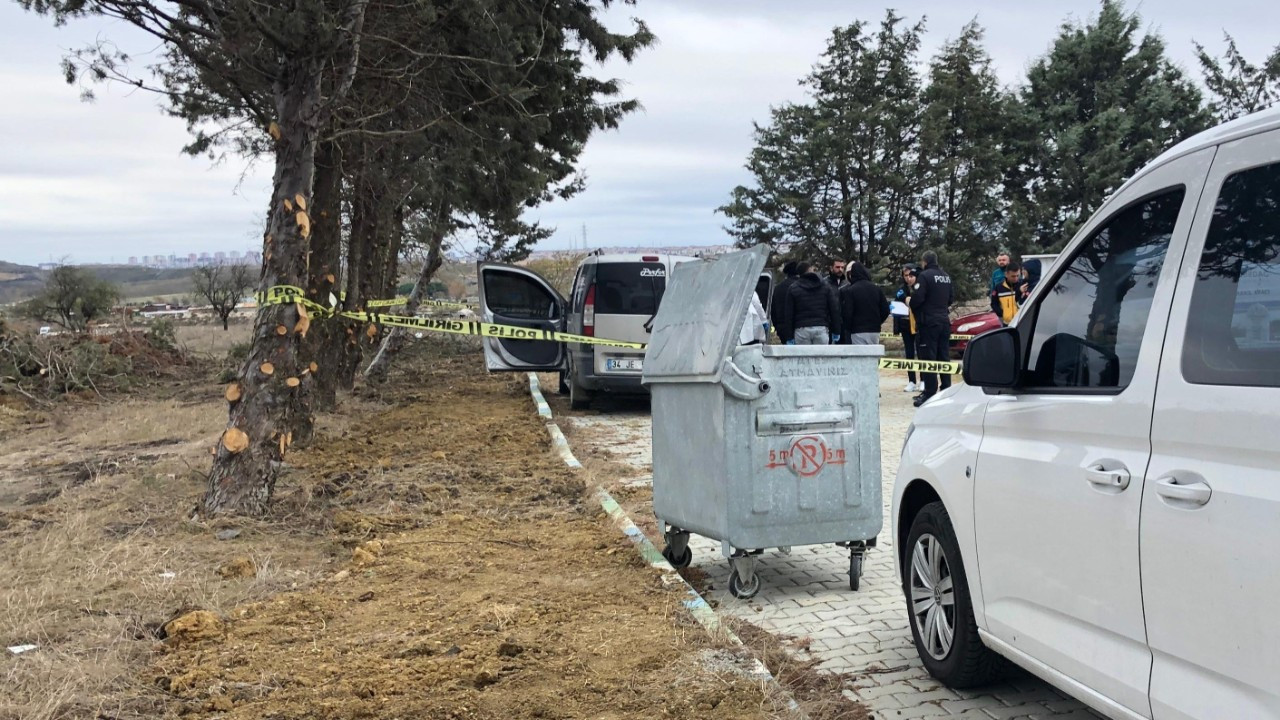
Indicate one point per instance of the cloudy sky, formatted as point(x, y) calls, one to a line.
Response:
point(103, 181)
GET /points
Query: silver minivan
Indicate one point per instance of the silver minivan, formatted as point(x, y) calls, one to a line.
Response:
point(613, 296)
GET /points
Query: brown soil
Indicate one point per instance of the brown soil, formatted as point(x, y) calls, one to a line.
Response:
point(428, 557)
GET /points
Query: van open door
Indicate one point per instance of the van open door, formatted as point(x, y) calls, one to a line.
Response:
point(512, 295)
point(764, 291)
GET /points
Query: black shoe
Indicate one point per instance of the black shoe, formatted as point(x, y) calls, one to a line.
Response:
point(921, 399)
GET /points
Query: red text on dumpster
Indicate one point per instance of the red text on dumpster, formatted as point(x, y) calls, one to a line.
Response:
point(806, 457)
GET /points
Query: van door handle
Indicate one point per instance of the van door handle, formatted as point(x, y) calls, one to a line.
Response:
point(1196, 493)
point(1111, 479)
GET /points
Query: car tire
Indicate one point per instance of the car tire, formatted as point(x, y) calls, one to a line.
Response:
point(933, 572)
point(579, 397)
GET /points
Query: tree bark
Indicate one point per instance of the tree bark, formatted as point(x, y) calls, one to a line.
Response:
point(324, 343)
point(394, 340)
point(248, 456)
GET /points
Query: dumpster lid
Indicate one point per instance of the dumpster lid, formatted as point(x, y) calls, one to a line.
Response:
point(701, 314)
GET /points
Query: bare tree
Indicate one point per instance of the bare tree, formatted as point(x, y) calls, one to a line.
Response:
point(72, 297)
point(222, 286)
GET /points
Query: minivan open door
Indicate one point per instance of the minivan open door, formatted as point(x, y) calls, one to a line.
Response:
point(764, 291)
point(511, 295)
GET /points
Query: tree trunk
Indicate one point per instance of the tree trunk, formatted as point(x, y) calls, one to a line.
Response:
point(259, 430)
point(225, 323)
point(361, 260)
point(394, 340)
point(324, 343)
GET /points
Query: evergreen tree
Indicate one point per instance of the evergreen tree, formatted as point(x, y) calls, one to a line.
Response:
point(1104, 102)
point(963, 150)
point(837, 178)
point(1237, 86)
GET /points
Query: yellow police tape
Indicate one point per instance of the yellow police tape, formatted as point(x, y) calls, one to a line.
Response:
point(945, 367)
point(402, 300)
point(288, 295)
point(957, 336)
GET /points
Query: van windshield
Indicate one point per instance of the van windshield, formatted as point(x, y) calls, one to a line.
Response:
point(629, 288)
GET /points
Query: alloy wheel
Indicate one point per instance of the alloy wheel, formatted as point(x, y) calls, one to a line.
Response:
point(933, 599)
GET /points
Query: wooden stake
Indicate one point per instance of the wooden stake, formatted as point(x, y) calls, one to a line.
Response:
point(267, 368)
point(233, 392)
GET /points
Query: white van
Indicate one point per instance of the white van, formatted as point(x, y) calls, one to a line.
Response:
point(1100, 502)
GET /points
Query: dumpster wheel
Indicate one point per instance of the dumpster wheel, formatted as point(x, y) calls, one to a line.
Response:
point(855, 571)
point(743, 592)
point(678, 562)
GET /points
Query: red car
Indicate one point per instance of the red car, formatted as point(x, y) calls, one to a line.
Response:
point(971, 324)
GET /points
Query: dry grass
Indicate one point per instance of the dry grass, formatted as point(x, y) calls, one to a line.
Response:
point(818, 692)
point(97, 554)
point(211, 341)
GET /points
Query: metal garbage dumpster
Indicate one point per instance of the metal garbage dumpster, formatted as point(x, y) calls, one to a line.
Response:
point(757, 446)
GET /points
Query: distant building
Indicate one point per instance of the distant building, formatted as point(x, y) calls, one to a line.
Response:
point(220, 256)
point(133, 260)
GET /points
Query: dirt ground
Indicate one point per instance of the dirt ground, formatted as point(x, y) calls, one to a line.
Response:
point(427, 557)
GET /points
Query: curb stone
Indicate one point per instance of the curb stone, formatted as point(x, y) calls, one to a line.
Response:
point(695, 603)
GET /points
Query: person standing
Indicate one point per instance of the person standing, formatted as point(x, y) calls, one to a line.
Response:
point(931, 302)
point(778, 308)
point(997, 275)
point(754, 326)
point(836, 278)
point(1009, 294)
point(904, 325)
point(813, 312)
point(863, 308)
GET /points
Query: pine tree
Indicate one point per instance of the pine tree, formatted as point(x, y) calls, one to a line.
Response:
point(837, 177)
point(1105, 101)
point(1237, 86)
point(963, 150)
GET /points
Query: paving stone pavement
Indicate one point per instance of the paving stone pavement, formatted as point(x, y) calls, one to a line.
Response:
point(806, 594)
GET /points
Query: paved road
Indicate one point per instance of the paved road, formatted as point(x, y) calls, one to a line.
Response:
point(806, 594)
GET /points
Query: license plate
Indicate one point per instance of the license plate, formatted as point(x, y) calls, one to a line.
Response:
point(636, 365)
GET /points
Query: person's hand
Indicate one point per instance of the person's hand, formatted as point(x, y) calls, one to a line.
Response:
point(835, 339)
point(791, 342)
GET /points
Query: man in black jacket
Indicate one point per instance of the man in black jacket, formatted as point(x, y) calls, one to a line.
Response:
point(778, 308)
point(813, 312)
point(837, 278)
point(931, 303)
point(863, 308)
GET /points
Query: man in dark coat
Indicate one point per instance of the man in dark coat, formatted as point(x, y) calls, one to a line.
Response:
point(813, 312)
point(778, 308)
point(931, 302)
point(863, 308)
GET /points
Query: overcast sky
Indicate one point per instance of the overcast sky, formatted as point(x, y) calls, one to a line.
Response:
point(103, 181)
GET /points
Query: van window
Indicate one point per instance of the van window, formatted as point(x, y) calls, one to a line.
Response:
point(629, 288)
point(1233, 333)
point(1089, 325)
point(519, 297)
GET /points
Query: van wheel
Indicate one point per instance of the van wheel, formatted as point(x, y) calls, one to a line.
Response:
point(938, 603)
point(579, 397)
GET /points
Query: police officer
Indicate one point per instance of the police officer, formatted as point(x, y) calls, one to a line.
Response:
point(931, 304)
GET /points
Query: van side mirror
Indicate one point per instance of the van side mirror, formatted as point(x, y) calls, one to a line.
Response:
point(993, 359)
